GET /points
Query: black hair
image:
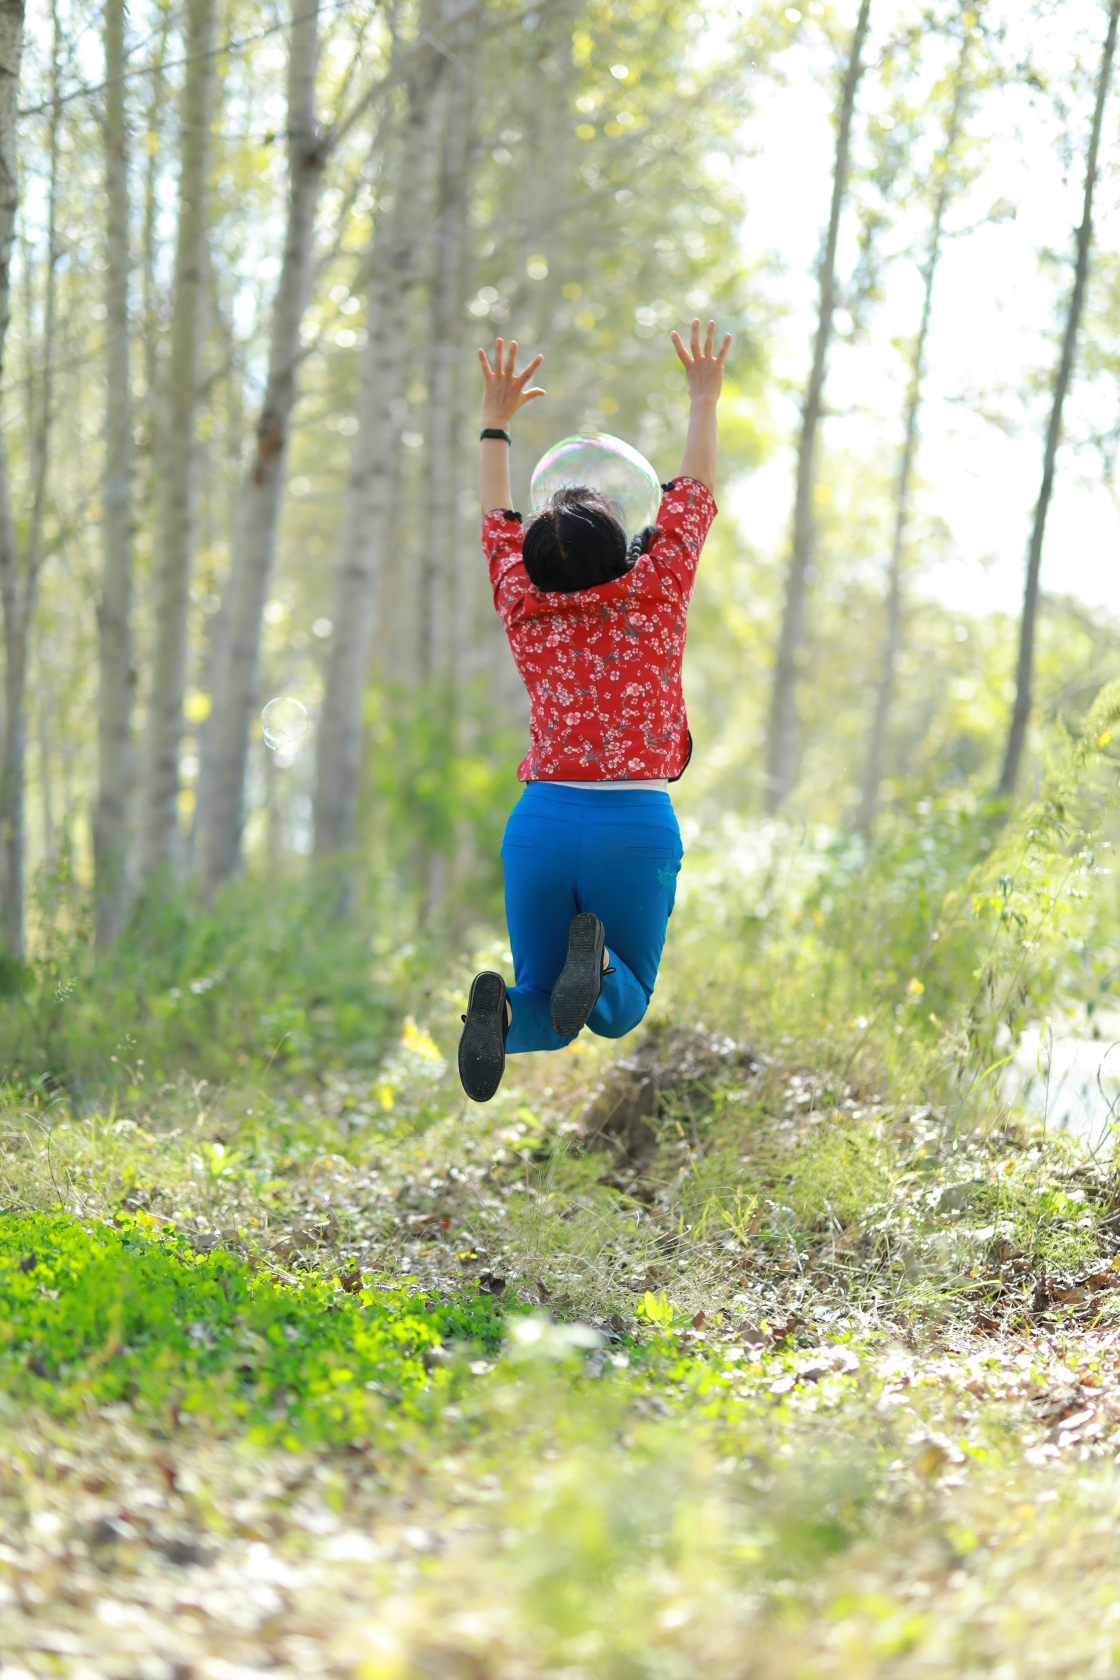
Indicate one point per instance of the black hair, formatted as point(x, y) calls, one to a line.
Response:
point(575, 542)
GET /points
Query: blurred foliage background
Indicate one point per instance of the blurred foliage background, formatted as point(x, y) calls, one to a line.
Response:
point(797, 1367)
point(580, 179)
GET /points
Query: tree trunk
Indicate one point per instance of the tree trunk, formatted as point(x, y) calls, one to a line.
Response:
point(892, 643)
point(173, 556)
point(46, 799)
point(11, 50)
point(439, 630)
point(437, 627)
point(212, 655)
point(117, 678)
point(781, 740)
point(235, 690)
point(13, 592)
point(154, 127)
point(395, 273)
point(1021, 712)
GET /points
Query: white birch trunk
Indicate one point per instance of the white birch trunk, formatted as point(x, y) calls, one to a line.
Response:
point(396, 268)
point(235, 689)
point(174, 544)
point(117, 677)
point(892, 642)
point(46, 792)
point(217, 630)
point(438, 627)
point(440, 632)
point(11, 52)
point(1024, 670)
point(17, 579)
point(154, 129)
point(781, 736)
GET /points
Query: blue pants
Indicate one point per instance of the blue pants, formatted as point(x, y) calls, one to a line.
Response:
point(616, 853)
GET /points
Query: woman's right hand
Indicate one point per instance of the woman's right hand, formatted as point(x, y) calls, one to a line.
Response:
point(505, 389)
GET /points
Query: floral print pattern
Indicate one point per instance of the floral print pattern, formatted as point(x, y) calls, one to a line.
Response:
point(603, 665)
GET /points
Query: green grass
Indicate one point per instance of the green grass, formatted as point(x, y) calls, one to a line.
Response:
point(823, 1387)
point(97, 1314)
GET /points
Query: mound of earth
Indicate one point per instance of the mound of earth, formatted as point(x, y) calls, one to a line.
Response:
point(674, 1069)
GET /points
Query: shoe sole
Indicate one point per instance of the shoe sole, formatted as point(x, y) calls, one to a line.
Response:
point(482, 1047)
point(576, 992)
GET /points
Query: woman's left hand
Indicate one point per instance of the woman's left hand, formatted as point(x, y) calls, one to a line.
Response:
point(704, 366)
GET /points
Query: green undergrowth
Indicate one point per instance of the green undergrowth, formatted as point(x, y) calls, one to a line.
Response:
point(269, 980)
point(936, 940)
point(804, 1370)
point(97, 1314)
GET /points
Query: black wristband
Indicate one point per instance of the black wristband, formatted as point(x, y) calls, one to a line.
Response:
point(494, 432)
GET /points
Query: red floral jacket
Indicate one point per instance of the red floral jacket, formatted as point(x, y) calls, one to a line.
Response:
point(603, 665)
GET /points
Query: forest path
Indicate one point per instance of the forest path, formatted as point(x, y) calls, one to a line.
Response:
point(830, 1362)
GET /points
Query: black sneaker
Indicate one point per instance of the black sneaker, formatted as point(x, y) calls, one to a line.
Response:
point(482, 1047)
point(576, 992)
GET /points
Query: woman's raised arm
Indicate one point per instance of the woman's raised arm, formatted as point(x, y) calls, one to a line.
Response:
point(704, 371)
point(503, 394)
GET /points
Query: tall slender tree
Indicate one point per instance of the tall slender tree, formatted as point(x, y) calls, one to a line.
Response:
point(445, 325)
point(439, 629)
point(236, 685)
point(155, 122)
point(11, 53)
point(20, 568)
point(945, 179)
point(174, 543)
point(781, 738)
point(1083, 244)
point(219, 813)
point(116, 676)
point(395, 271)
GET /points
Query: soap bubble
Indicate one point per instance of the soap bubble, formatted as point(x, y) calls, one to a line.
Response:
point(283, 723)
point(603, 463)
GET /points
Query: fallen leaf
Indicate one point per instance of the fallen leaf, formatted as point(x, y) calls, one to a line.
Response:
point(184, 1554)
point(1077, 1420)
point(929, 1460)
point(812, 1373)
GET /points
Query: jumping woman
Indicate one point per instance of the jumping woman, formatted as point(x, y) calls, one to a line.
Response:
point(596, 624)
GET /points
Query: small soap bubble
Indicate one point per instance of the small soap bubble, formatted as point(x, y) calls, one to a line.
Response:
point(603, 463)
point(283, 723)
